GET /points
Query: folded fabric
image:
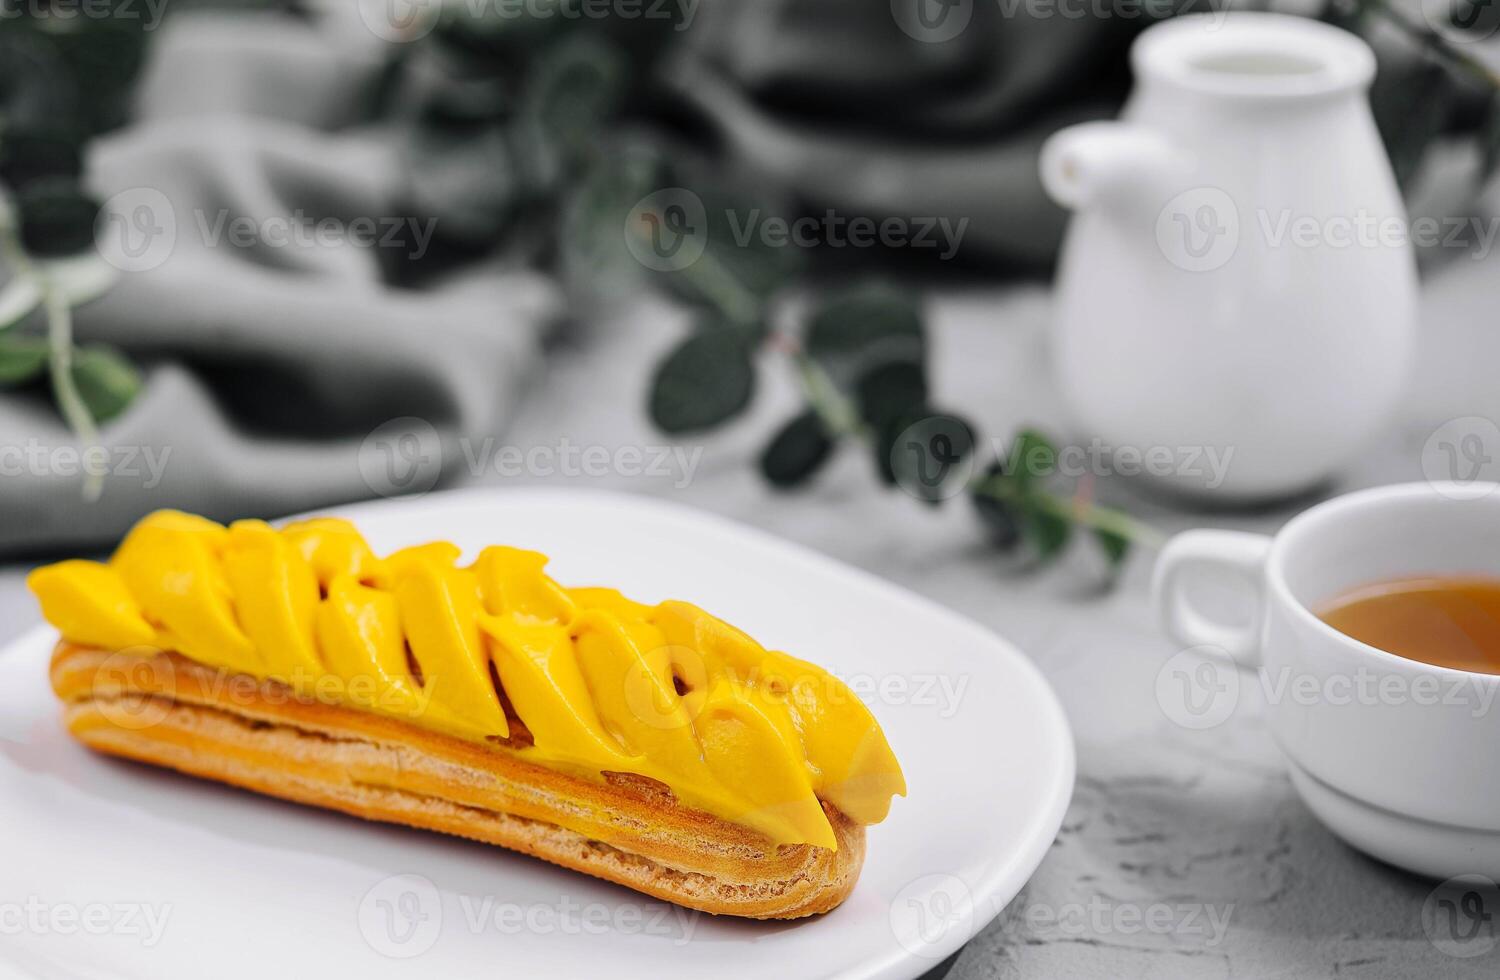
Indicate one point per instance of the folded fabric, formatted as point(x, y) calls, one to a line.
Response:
point(854, 106)
point(282, 371)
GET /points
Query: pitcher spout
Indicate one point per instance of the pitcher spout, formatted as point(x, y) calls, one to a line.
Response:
point(1111, 164)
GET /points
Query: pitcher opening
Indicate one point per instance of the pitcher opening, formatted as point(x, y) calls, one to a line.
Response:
point(1258, 63)
point(1252, 55)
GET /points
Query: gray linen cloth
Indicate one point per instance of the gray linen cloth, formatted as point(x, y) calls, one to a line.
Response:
point(835, 102)
point(276, 357)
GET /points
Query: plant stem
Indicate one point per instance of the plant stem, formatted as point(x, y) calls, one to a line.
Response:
point(839, 415)
point(717, 282)
point(74, 410)
point(1077, 510)
point(60, 346)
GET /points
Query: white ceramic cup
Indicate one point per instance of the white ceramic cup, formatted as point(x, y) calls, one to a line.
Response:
point(1398, 757)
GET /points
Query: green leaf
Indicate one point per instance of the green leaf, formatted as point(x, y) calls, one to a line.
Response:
point(107, 382)
point(852, 332)
point(1033, 458)
point(704, 382)
point(19, 297)
point(889, 390)
point(1042, 527)
point(797, 451)
point(21, 359)
point(1115, 546)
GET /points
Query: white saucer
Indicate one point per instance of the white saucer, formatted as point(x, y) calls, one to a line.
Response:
point(1437, 850)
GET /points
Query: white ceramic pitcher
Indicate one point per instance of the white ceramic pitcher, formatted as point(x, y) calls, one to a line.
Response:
point(1238, 278)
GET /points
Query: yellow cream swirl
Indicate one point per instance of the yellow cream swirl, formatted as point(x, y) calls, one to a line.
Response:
point(582, 680)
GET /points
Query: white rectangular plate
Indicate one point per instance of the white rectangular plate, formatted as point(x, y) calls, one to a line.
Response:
point(110, 868)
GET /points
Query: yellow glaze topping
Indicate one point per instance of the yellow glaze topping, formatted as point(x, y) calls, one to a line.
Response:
point(599, 683)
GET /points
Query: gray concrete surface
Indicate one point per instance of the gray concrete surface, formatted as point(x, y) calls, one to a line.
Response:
point(1203, 823)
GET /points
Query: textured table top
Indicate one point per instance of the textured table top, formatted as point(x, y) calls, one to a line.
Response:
point(1184, 853)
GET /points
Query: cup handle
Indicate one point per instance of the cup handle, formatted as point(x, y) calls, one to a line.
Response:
point(1238, 551)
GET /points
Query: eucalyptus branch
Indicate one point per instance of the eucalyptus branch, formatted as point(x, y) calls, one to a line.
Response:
point(1078, 509)
point(57, 310)
point(69, 400)
point(837, 411)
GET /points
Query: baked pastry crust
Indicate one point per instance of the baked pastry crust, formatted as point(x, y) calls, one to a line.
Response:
point(257, 734)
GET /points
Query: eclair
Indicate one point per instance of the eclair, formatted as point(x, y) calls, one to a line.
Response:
point(654, 746)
